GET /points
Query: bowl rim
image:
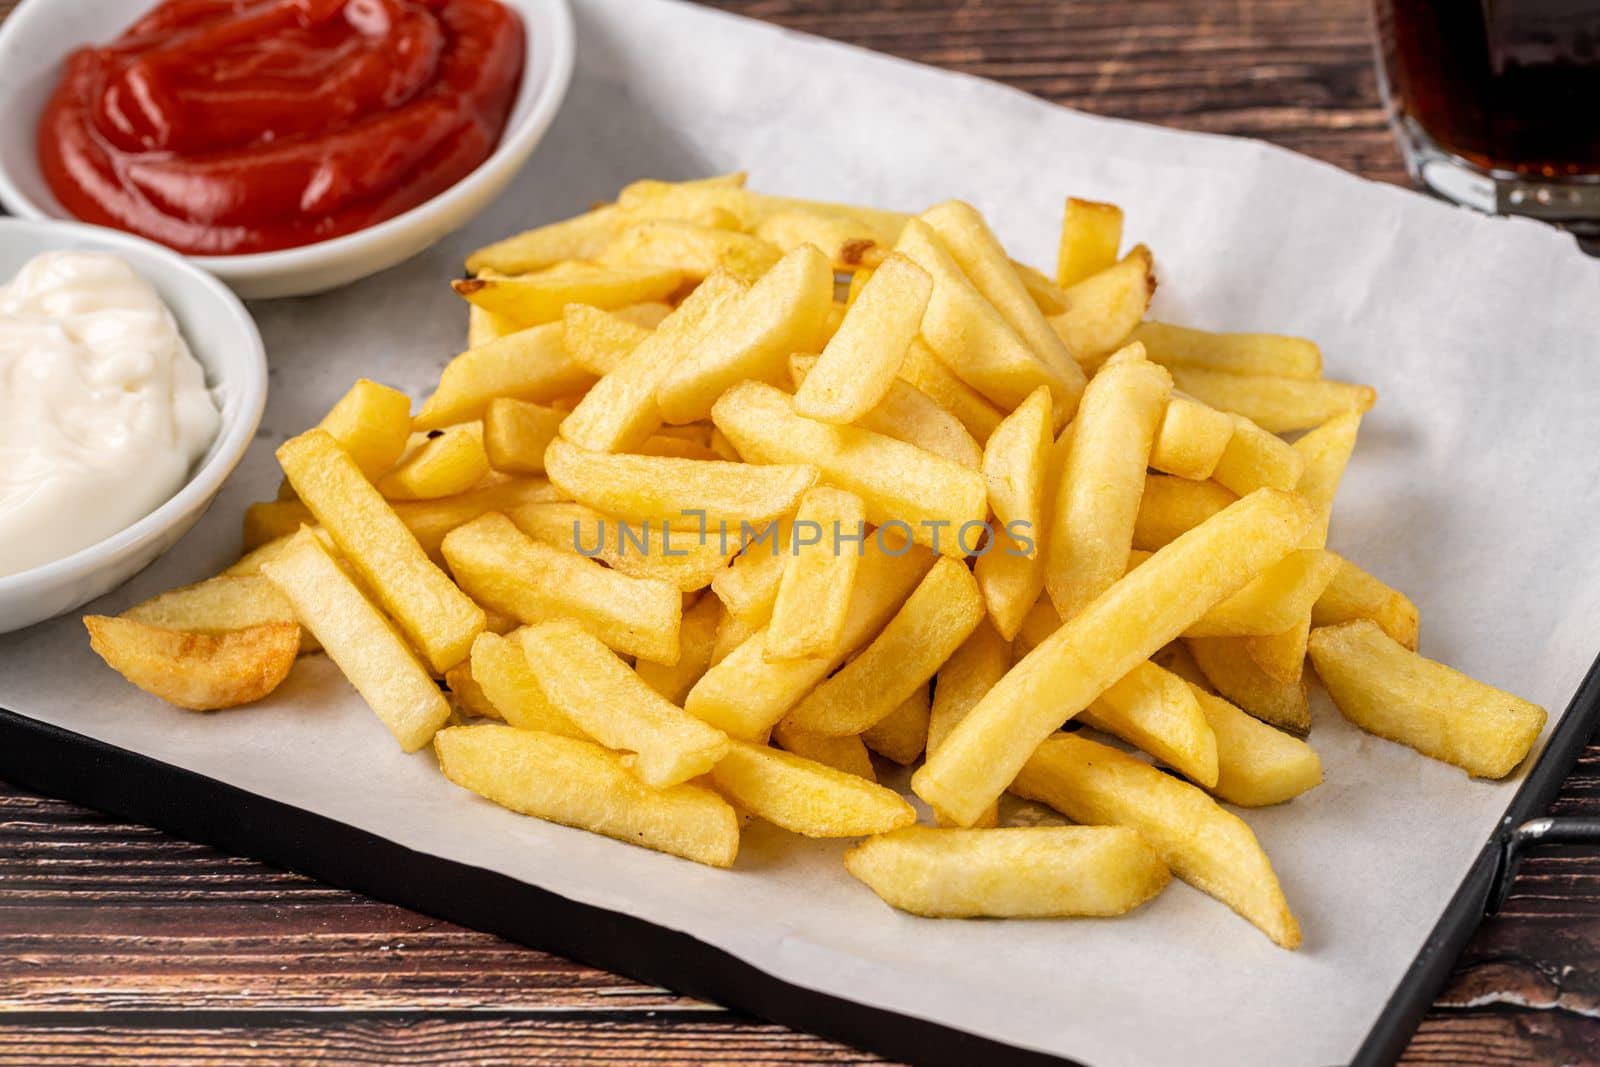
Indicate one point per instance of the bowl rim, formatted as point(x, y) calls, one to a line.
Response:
point(548, 24)
point(233, 437)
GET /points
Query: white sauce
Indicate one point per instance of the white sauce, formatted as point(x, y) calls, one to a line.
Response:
point(103, 410)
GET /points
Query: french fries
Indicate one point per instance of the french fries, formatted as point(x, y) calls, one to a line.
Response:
point(806, 797)
point(201, 672)
point(1155, 711)
point(218, 605)
point(1278, 405)
point(1091, 234)
point(1192, 440)
point(1228, 666)
point(1233, 353)
point(372, 423)
point(859, 364)
point(910, 415)
point(536, 299)
point(902, 735)
point(1256, 765)
point(516, 434)
point(1103, 309)
point(1353, 594)
point(449, 463)
point(530, 365)
point(813, 599)
point(501, 672)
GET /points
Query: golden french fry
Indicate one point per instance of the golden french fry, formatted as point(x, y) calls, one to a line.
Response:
point(848, 240)
point(1114, 633)
point(581, 237)
point(1209, 848)
point(1229, 667)
point(1191, 440)
point(1236, 353)
point(509, 684)
point(510, 572)
point(620, 412)
point(1326, 451)
point(861, 361)
point(1255, 459)
point(1047, 295)
point(516, 433)
point(748, 588)
point(1355, 594)
point(901, 735)
point(536, 299)
point(1388, 690)
point(466, 696)
point(732, 632)
point(360, 640)
point(1016, 461)
point(586, 682)
point(908, 414)
point(1011, 578)
point(1091, 235)
point(437, 617)
point(1154, 710)
point(1170, 507)
point(899, 484)
point(695, 250)
point(201, 672)
point(578, 783)
point(677, 555)
point(485, 326)
point(697, 637)
point(808, 614)
point(1273, 602)
point(372, 422)
point(783, 313)
point(1102, 480)
point(1103, 309)
point(1177, 658)
point(983, 260)
point(599, 340)
point(943, 611)
point(1040, 622)
point(218, 605)
point(661, 489)
point(660, 444)
point(1278, 405)
point(527, 365)
point(1256, 765)
point(972, 338)
point(1033, 872)
point(970, 672)
point(922, 370)
point(450, 463)
point(806, 797)
point(846, 754)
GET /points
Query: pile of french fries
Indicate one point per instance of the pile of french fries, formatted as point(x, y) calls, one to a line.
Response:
point(730, 491)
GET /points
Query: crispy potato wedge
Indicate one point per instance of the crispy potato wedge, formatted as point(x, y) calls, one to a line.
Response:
point(1103, 309)
point(908, 414)
point(1091, 235)
point(901, 735)
point(1255, 459)
point(218, 605)
point(813, 599)
point(447, 464)
point(807, 797)
point(846, 754)
point(1033, 872)
point(1209, 848)
point(579, 784)
point(1234, 353)
point(1191, 440)
point(511, 687)
point(697, 641)
point(1278, 405)
point(1388, 690)
point(372, 423)
point(1354, 594)
point(528, 365)
point(537, 299)
point(516, 434)
point(1154, 710)
point(1233, 672)
point(201, 672)
point(922, 370)
point(1170, 507)
point(1256, 765)
point(690, 248)
point(580, 237)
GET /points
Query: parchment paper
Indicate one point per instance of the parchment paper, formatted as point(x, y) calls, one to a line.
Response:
point(1473, 488)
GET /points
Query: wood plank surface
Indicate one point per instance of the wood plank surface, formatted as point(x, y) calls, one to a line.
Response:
point(121, 945)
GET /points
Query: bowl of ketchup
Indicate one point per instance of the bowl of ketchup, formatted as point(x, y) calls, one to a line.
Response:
point(286, 146)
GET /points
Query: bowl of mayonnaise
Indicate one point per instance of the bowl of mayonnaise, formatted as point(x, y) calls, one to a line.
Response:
point(131, 384)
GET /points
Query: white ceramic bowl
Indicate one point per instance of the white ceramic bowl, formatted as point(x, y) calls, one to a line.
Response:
point(223, 338)
point(39, 34)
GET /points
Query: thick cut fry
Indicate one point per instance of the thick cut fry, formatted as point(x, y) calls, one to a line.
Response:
point(1233, 672)
point(508, 571)
point(1355, 594)
point(943, 611)
point(1275, 601)
point(749, 587)
point(721, 196)
point(860, 362)
point(587, 683)
point(1114, 633)
point(1103, 309)
point(846, 754)
point(1033, 872)
point(746, 693)
point(697, 638)
point(599, 340)
point(201, 672)
point(1191, 440)
point(1255, 459)
point(1010, 577)
point(516, 433)
point(1234, 353)
point(1155, 711)
point(1256, 765)
point(1278, 405)
point(901, 735)
point(578, 783)
point(360, 641)
point(1091, 235)
point(437, 617)
point(1326, 452)
point(783, 313)
point(485, 326)
point(971, 338)
point(970, 672)
point(509, 684)
point(898, 483)
point(536, 299)
point(1209, 848)
point(806, 797)
point(1102, 480)
point(908, 414)
point(372, 422)
point(983, 260)
point(580, 237)
point(677, 555)
point(1047, 295)
point(660, 489)
point(526, 365)
point(922, 370)
point(848, 240)
point(620, 412)
point(466, 696)
point(813, 598)
point(1170, 507)
point(218, 605)
point(1016, 461)
point(451, 463)
point(1388, 690)
point(692, 249)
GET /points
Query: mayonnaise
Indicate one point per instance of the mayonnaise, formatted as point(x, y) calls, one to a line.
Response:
point(103, 411)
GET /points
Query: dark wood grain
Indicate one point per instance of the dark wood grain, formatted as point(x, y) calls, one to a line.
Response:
point(121, 945)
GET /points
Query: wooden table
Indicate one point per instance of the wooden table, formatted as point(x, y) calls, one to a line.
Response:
point(119, 944)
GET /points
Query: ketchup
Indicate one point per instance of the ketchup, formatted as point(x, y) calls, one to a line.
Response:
point(233, 126)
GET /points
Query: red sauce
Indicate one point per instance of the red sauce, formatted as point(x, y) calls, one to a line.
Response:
point(231, 126)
